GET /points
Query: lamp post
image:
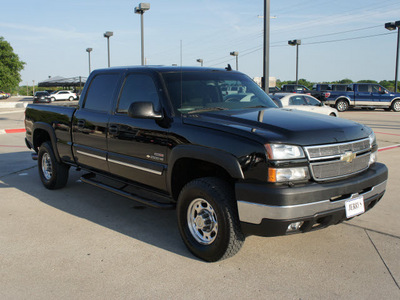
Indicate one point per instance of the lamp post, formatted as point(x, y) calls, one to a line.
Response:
point(235, 53)
point(265, 78)
point(296, 43)
point(200, 60)
point(88, 50)
point(393, 26)
point(107, 35)
point(140, 10)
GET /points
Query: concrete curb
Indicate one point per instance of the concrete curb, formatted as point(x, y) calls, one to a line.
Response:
point(13, 105)
point(6, 131)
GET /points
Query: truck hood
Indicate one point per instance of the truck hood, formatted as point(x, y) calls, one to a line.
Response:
point(287, 126)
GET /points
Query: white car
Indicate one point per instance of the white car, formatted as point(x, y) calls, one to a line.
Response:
point(304, 102)
point(63, 95)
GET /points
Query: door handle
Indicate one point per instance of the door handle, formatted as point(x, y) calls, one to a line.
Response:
point(113, 129)
point(81, 123)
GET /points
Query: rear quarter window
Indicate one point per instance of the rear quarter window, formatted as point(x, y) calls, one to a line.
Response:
point(100, 94)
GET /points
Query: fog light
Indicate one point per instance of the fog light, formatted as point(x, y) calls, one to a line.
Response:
point(294, 226)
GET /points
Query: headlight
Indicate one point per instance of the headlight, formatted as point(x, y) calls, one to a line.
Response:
point(372, 139)
point(288, 174)
point(373, 158)
point(280, 151)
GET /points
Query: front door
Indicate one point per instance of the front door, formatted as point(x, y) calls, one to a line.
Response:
point(137, 147)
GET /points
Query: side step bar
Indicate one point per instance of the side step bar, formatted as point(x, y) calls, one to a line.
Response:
point(89, 178)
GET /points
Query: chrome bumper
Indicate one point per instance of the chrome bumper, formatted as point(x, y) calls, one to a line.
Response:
point(254, 213)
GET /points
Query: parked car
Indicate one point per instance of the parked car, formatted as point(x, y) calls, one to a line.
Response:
point(63, 95)
point(305, 103)
point(364, 95)
point(41, 96)
point(4, 95)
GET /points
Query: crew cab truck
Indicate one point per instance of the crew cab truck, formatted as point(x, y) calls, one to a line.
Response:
point(231, 164)
point(364, 95)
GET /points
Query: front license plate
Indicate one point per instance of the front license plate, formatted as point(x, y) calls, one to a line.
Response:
point(354, 207)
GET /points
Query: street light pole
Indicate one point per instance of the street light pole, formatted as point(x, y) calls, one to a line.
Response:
point(393, 26)
point(88, 50)
point(296, 43)
point(107, 35)
point(235, 53)
point(140, 10)
point(265, 78)
point(200, 60)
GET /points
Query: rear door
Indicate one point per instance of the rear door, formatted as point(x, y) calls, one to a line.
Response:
point(90, 122)
point(362, 96)
point(137, 147)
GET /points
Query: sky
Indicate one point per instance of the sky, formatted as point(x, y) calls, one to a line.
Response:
point(340, 39)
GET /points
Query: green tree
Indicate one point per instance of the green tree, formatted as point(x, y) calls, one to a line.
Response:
point(367, 81)
point(10, 66)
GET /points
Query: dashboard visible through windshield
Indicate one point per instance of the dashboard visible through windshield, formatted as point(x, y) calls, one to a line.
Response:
point(194, 92)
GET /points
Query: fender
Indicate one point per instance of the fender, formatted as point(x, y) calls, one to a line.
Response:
point(53, 139)
point(220, 158)
point(394, 99)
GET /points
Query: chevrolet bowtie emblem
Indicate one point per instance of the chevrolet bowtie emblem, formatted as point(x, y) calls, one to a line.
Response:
point(348, 156)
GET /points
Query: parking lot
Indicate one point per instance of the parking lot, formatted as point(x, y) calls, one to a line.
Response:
point(81, 242)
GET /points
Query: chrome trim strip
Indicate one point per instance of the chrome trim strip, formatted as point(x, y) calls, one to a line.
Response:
point(91, 155)
point(254, 212)
point(135, 166)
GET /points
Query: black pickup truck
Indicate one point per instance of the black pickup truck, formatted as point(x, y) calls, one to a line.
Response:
point(232, 164)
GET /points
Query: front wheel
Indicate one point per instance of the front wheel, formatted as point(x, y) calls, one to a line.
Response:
point(342, 105)
point(54, 175)
point(396, 105)
point(71, 98)
point(208, 220)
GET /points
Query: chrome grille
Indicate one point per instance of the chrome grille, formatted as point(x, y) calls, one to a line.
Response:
point(326, 161)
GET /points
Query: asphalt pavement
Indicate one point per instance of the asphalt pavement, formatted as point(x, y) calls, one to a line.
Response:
point(83, 243)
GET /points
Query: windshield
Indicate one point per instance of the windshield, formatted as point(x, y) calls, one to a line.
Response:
point(193, 92)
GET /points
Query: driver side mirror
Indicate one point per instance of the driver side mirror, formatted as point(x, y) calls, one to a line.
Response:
point(143, 110)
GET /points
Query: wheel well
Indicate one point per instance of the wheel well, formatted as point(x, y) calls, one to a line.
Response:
point(39, 137)
point(188, 169)
point(344, 99)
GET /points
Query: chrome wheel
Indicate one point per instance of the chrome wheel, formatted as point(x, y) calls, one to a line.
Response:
point(342, 105)
point(396, 105)
point(202, 221)
point(47, 168)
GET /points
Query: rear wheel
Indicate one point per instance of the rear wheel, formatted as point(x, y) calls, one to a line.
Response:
point(342, 105)
point(396, 105)
point(208, 219)
point(54, 175)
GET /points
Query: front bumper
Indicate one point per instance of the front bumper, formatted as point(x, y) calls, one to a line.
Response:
point(268, 210)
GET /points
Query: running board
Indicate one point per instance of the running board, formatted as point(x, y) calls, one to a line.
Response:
point(89, 178)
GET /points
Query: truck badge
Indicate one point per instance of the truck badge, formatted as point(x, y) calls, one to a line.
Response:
point(348, 156)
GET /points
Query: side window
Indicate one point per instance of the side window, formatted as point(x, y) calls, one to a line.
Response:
point(100, 93)
point(296, 100)
point(363, 88)
point(138, 87)
point(376, 88)
point(312, 101)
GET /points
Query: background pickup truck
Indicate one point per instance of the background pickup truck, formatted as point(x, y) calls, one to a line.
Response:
point(232, 164)
point(364, 95)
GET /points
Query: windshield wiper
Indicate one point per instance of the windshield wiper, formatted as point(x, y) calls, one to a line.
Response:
point(204, 109)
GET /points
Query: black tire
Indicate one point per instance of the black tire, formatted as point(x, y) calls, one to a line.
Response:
point(332, 115)
point(396, 106)
point(54, 175)
point(342, 105)
point(52, 99)
point(208, 220)
point(71, 98)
